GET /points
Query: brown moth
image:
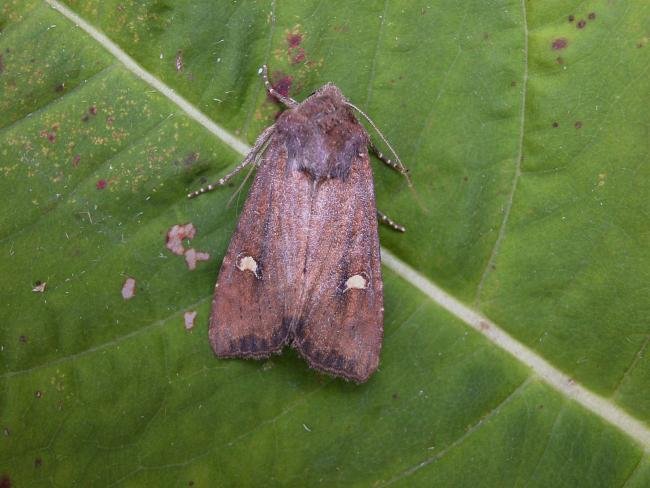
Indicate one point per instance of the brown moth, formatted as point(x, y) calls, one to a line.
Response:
point(303, 267)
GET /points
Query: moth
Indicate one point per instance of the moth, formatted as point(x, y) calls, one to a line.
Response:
point(303, 267)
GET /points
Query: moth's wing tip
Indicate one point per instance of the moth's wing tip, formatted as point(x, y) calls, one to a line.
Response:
point(329, 366)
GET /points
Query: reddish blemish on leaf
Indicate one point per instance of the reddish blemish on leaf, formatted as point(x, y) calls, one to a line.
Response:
point(5, 481)
point(175, 237)
point(560, 43)
point(189, 317)
point(101, 184)
point(572, 18)
point(578, 124)
point(39, 287)
point(294, 39)
point(591, 16)
point(179, 60)
point(299, 57)
point(128, 289)
point(581, 24)
point(75, 160)
point(50, 135)
point(283, 85)
point(92, 110)
point(192, 257)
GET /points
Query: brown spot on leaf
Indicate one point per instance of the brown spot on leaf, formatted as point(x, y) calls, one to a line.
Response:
point(283, 85)
point(128, 289)
point(38, 394)
point(175, 237)
point(555, 124)
point(591, 16)
point(559, 60)
point(109, 120)
point(101, 184)
point(59, 88)
point(38, 462)
point(188, 318)
point(75, 160)
point(5, 481)
point(299, 57)
point(559, 43)
point(581, 24)
point(572, 18)
point(191, 158)
point(23, 339)
point(578, 124)
point(192, 257)
point(294, 39)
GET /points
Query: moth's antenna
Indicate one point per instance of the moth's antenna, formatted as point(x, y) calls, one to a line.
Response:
point(288, 101)
point(402, 168)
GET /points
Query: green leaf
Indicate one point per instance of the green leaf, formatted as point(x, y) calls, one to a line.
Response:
point(527, 138)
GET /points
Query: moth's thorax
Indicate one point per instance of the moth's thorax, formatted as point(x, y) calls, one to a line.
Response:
point(322, 136)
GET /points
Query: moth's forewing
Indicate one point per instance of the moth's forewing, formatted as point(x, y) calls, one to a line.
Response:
point(258, 287)
point(341, 325)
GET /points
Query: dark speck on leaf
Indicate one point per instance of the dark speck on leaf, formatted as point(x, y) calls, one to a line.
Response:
point(559, 60)
point(571, 18)
point(581, 23)
point(59, 88)
point(294, 40)
point(283, 86)
point(38, 462)
point(560, 43)
point(38, 394)
point(592, 16)
point(578, 124)
point(555, 124)
point(5, 481)
point(23, 339)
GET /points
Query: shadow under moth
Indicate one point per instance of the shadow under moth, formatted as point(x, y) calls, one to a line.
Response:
point(303, 267)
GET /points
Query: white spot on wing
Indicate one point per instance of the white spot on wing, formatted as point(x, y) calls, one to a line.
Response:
point(356, 282)
point(247, 263)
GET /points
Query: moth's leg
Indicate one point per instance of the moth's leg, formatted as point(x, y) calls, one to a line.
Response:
point(288, 101)
point(384, 219)
point(258, 148)
point(388, 162)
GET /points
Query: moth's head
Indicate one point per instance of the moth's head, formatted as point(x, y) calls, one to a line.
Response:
point(327, 100)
